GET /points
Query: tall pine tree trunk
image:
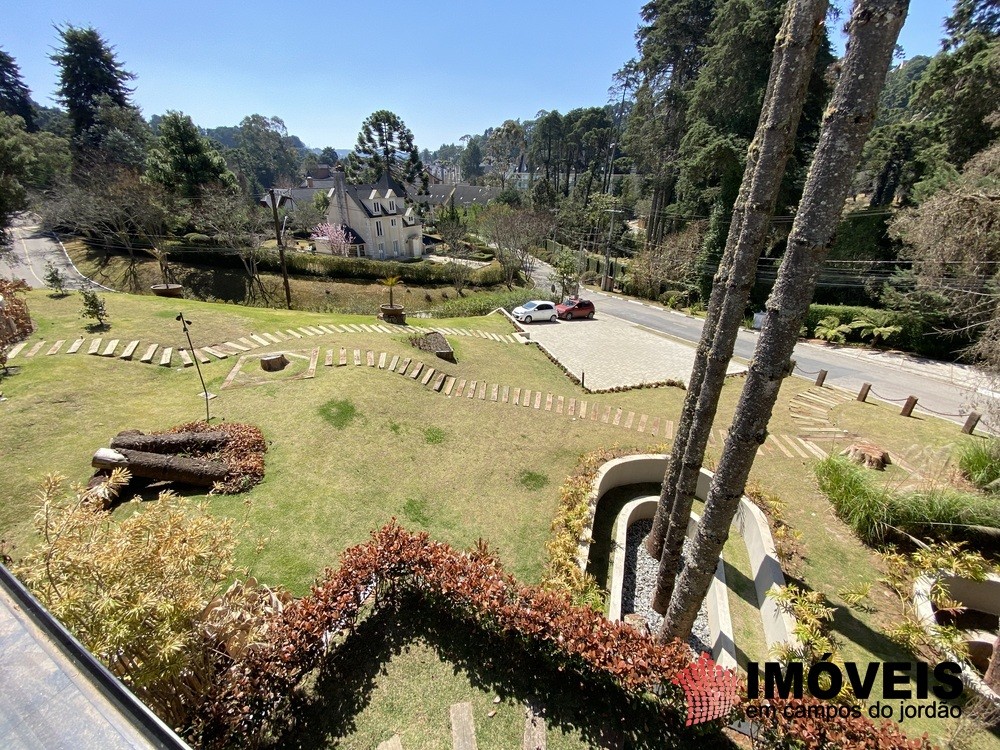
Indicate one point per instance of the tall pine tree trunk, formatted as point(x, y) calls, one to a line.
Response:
point(794, 54)
point(873, 27)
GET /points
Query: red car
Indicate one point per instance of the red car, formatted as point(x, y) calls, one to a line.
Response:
point(574, 307)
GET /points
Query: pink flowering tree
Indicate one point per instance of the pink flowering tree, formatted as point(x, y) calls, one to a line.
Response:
point(335, 235)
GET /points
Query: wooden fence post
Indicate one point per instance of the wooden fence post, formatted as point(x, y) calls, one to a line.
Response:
point(821, 377)
point(971, 422)
point(863, 393)
point(911, 401)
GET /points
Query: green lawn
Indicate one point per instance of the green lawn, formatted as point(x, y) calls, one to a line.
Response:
point(356, 446)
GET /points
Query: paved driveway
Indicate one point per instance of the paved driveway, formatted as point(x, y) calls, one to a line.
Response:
point(608, 352)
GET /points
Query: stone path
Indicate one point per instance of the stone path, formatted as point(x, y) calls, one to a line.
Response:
point(808, 410)
point(207, 354)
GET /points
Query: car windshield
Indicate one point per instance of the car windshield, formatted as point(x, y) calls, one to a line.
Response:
point(569, 302)
point(529, 305)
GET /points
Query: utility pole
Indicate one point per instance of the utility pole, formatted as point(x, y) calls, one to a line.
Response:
point(281, 248)
point(607, 284)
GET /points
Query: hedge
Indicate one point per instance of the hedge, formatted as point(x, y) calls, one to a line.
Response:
point(915, 335)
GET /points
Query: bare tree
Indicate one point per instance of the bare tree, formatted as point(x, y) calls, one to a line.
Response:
point(452, 231)
point(873, 29)
point(794, 53)
point(240, 226)
point(116, 209)
point(514, 233)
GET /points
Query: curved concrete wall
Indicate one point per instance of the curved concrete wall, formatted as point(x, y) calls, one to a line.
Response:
point(720, 624)
point(980, 595)
point(750, 522)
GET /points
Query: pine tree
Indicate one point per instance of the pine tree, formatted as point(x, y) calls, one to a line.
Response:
point(792, 62)
point(184, 161)
point(15, 98)
point(88, 70)
point(873, 29)
point(384, 147)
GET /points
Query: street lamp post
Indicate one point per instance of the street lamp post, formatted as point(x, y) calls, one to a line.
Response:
point(204, 390)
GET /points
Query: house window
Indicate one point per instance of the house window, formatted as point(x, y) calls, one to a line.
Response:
point(376, 207)
point(395, 248)
point(392, 222)
point(378, 228)
point(392, 206)
point(381, 249)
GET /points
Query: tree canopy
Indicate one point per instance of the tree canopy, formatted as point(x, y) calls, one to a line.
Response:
point(15, 98)
point(88, 69)
point(384, 146)
point(183, 161)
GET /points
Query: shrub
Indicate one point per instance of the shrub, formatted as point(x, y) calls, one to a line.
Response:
point(141, 593)
point(54, 280)
point(93, 307)
point(483, 304)
point(832, 330)
point(195, 238)
point(873, 510)
point(979, 462)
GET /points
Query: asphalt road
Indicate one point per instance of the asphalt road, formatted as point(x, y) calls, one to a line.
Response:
point(30, 251)
point(936, 391)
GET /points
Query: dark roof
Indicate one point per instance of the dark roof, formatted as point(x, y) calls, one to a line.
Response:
point(360, 193)
point(56, 694)
point(302, 195)
point(464, 195)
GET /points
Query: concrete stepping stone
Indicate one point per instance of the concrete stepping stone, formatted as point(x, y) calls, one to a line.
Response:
point(403, 365)
point(381, 360)
point(36, 348)
point(353, 328)
point(237, 347)
point(560, 402)
point(572, 408)
point(538, 399)
point(495, 392)
point(641, 427)
point(795, 446)
point(439, 382)
point(271, 337)
point(415, 372)
point(129, 351)
point(534, 729)
point(260, 340)
point(75, 346)
point(16, 350)
point(449, 384)
point(814, 449)
point(293, 334)
point(472, 390)
point(463, 728)
point(185, 357)
point(526, 397)
point(306, 331)
point(249, 344)
point(628, 420)
point(280, 336)
point(668, 429)
point(357, 358)
point(595, 411)
point(202, 357)
point(147, 358)
point(461, 388)
point(324, 329)
point(165, 357)
point(583, 410)
point(316, 331)
point(218, 354)
point(548, 402)
point(517, 397)
point(780, 446)
point(328, 362)
point(343, 357)
point(481, 394)
point(55, 347)
point(393, 743)
point(428, 374)
point(393, 363)
point(656, 426)
point(366, 328)
point(371, 358)
point(506, 394)
point(618, 417)
point(109, 350)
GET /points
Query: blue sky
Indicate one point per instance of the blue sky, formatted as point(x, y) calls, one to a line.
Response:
point(446, 68)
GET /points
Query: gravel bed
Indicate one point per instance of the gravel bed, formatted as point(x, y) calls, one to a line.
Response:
point(640, 580)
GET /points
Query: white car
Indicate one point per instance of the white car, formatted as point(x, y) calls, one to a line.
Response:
point(536, 309)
